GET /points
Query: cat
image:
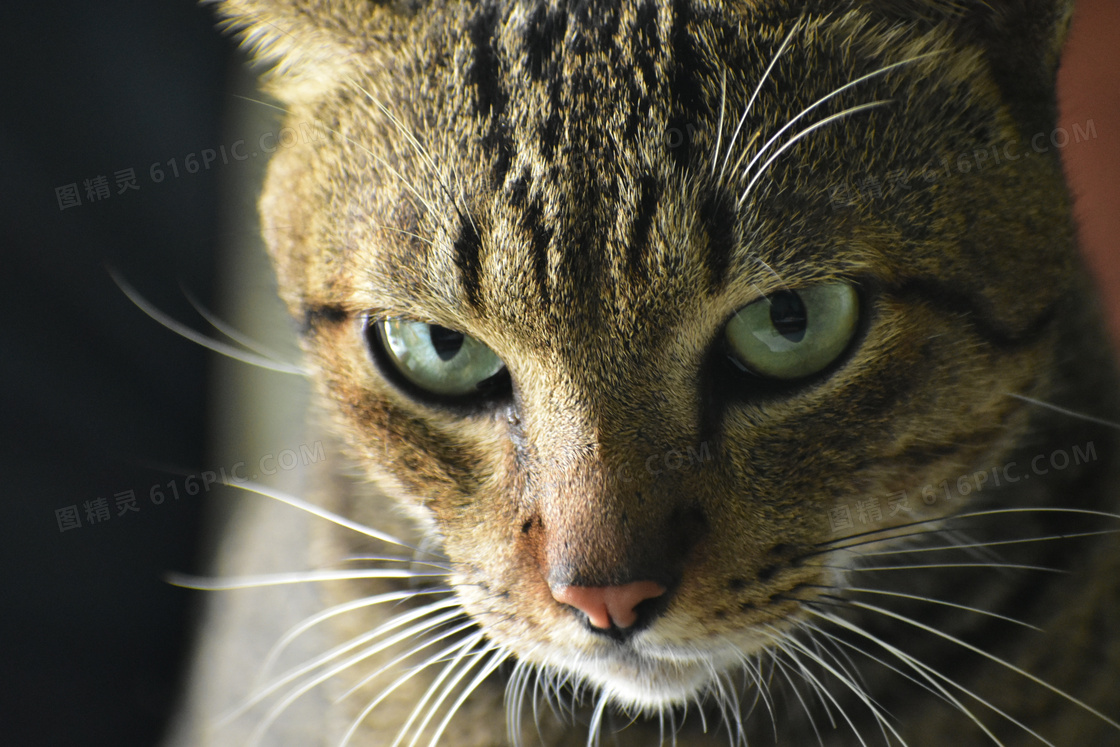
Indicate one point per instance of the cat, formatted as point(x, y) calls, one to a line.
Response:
point(705, 384)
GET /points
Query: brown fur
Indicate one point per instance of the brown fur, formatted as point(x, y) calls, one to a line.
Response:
point(506, 170)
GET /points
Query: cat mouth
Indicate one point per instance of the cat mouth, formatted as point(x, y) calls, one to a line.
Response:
point(644, 677)
point(659, 665)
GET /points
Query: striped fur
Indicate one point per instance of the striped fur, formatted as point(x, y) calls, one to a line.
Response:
point(591, 190)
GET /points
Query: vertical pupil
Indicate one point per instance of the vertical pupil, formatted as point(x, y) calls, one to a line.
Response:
point(787, 314)
point(446, 342)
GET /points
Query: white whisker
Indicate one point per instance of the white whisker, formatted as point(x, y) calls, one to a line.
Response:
point(425, 156)
point(339, 650)
point(929, 673)
point(595, 728)
point(804, 706)
point(719, 126)
point(887, 532)
point(880, 661)
point(797, 138)
point(495, 661)
point(727, 705)
point(405, 131)
point(944, 603)
point(854, 685)
point(1065, 411)
point(750, 102)
point(453, 672)
point(261, 102)
point(991, 657)
point(403, 678)
point(295, 694)
point(339, 609)
point(410, 234)
point(785, 643)
point(989, 544)
point(229, 331)
point(197, 337)
point(311, 508)
point(928, 566)
point(299, 577)
point(438, 565)
point(824, 99)
point(1039, 510)
point(514, 699)
point(752, 669)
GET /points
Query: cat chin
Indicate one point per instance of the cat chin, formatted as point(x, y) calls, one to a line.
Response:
point(642, 684)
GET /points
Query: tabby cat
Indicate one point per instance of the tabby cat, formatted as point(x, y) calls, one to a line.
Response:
point(725, 394)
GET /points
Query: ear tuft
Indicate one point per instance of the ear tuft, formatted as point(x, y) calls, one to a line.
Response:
point(311, 47)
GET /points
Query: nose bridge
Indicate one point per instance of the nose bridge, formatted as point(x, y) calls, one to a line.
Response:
point(626, 416)
point(607, 500)
point(600, 524)
point(588, 534)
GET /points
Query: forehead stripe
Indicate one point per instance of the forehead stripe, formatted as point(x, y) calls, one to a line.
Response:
point(649, 192)
point(719, 221)
point(491, 97)
point(466, 253)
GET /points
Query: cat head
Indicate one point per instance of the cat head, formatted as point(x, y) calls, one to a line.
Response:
point(645, 309)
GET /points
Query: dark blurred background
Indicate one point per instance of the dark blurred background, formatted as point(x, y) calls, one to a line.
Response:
point(94, 395)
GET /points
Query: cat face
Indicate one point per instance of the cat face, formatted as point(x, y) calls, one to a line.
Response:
point(650, 314)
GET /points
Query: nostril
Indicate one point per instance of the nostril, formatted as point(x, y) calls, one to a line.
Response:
point(609, 605)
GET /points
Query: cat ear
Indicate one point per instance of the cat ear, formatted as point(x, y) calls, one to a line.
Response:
point(1021, 39)
point(311, 46)
point(1027, 32)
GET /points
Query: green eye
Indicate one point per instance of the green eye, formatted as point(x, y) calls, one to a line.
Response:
point(437, 359)
point(793, 334)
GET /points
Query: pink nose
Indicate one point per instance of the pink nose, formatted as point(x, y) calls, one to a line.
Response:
point(605, 605)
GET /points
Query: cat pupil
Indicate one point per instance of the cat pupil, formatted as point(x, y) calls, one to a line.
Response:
point(787, 314)
point(447, 342)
